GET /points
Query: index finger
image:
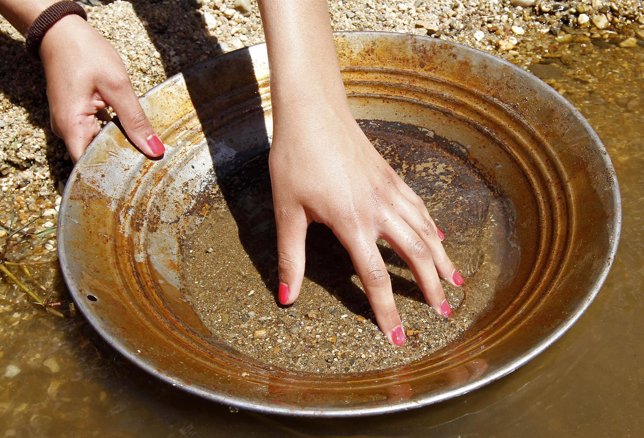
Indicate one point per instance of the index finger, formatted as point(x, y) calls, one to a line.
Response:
point(120, 96)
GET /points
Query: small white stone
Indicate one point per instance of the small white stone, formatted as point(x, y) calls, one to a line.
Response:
point(229, 12)
point(235, 43)
point(479, 35)
point(505, 45)
point(211, 21)
point(600, 21)
point(583, 19)
point(518, 30)
point(12, 371)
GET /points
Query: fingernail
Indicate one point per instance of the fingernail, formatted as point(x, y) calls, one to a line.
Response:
point(440, 234)
point(282, 293)
point(156, 145)
point(457, 278)
point(446, 309)
point(398, 335)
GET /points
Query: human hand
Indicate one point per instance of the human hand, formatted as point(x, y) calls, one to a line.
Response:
point(324, 169)
point(84, 76)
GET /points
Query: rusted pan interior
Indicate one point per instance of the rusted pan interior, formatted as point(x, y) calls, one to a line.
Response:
point(122, 218)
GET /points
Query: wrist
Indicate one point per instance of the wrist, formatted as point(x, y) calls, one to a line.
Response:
point(61, 36)
point(46, 20)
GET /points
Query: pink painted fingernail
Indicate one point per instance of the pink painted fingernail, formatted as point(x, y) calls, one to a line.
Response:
point(398, 336)
point(282, 293)
point(155, 144)
point(440, 234)
point(458, 278)
point(446, 309)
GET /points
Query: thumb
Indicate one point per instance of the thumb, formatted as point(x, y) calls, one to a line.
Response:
point(291, 254)
point(135, 123)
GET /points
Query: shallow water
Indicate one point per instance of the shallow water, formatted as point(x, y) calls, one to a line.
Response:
point(590, 383)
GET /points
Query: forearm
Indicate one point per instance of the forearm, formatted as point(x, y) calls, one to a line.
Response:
point(21, 13)
point(303, 61)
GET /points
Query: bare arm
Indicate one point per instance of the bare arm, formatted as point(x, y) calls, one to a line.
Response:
point(324, 169)
point(21, 13)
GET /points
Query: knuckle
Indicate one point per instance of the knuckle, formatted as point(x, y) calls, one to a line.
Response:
point(428, 227)
point(351, 220)
point(119, 82)
point(138, 120)
point(419, 249)
point(376, 277)
point(285, 263)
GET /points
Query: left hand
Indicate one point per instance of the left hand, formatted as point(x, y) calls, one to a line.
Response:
point(85, 75)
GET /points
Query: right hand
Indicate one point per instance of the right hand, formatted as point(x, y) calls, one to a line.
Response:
point(324, 169)
point(84, 76)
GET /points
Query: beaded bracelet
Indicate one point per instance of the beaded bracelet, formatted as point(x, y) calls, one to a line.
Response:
point(46, 20)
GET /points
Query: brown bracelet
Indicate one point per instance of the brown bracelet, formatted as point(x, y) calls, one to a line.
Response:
point(46, 20)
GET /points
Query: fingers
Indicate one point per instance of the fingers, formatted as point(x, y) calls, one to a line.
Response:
point(119, 94)
point(424, 227)
point(375, 279)
point(419, 257)
point(291, 254)
point(77, 132)
point(418, 202)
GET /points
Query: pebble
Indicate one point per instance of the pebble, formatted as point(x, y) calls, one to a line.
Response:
point(11, 371)
point(629, 43)
point(52, 389)
point(260, 334)
point(518, 30)
point(600, 21)
point(583, 19)
point(430, 25)
point(479, 35)
point(210, 20)
point(243, 7)
point(2, 123)
point(504, 45)
point(545, 8)
point(52, 365)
